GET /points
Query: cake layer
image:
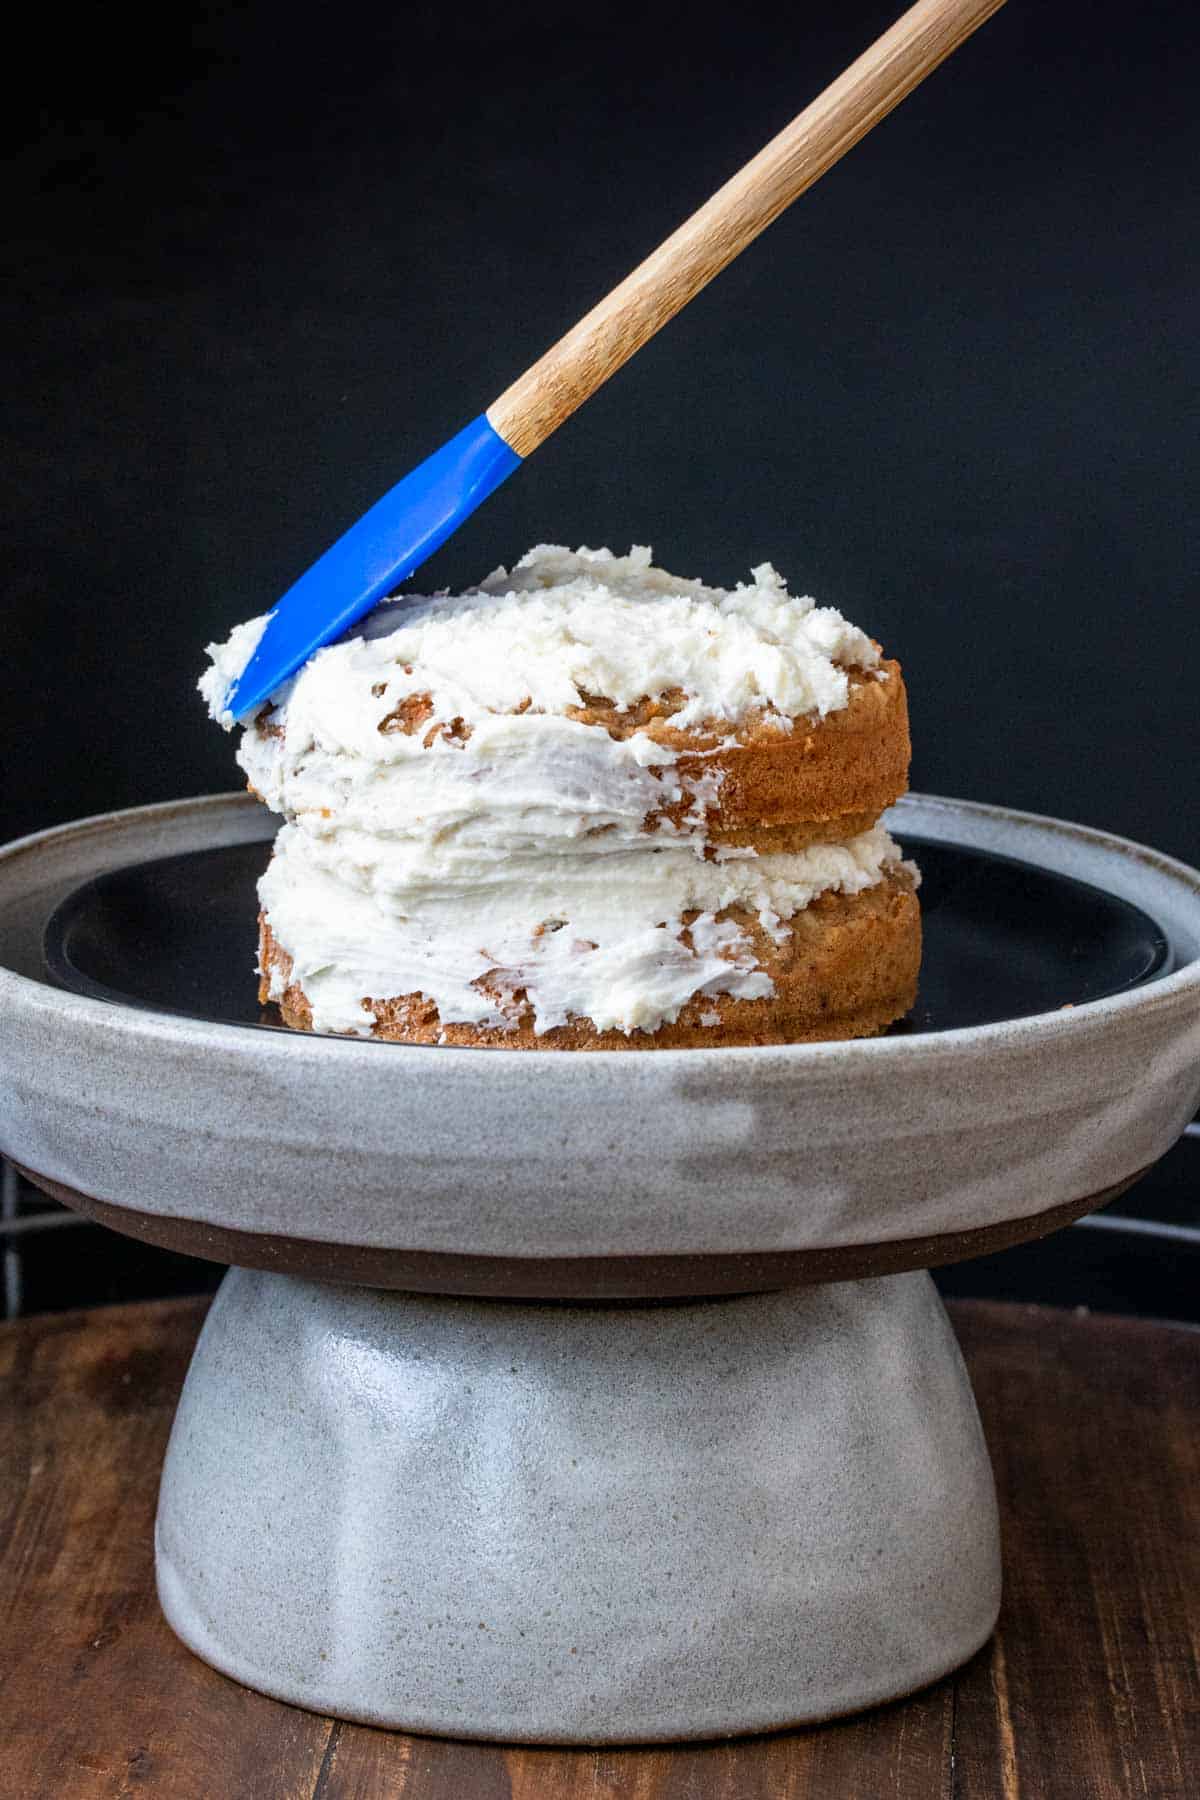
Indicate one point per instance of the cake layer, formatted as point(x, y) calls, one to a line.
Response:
point(590, 928)
point(809, 780)
point(847, 968)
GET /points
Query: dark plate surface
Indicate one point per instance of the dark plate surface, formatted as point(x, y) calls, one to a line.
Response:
point(1003, 939)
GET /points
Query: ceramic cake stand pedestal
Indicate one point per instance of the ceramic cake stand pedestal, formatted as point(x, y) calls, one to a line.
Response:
point(579, 1523)
point(593, 1398)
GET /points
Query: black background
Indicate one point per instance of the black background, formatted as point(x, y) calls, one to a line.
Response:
point(268, 257)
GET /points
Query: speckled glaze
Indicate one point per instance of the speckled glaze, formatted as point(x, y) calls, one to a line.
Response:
point(579, 1524)
point(584, 1523)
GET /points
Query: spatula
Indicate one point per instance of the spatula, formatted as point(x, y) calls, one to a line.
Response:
point(391, 540)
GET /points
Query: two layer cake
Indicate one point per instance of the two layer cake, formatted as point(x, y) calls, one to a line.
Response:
point(586, 805)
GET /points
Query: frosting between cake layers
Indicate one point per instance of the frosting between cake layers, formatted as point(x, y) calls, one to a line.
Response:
point(451, 833)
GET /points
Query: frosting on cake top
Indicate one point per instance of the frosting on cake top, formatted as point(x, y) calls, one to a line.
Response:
point(565, 625)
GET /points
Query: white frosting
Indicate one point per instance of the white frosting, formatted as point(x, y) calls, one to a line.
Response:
point(226, 662)
point(568, 622)
point(506, 844)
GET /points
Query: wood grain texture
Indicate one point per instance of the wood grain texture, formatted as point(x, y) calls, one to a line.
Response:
point(1091, 1687)
point(1094, 1430)
point(539, 400)
point(94, 1697)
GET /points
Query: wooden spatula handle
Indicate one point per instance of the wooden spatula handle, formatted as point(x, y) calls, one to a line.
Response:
point(538, 401)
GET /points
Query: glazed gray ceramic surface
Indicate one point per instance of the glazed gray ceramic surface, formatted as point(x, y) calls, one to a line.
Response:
point(603, 1154)
point(579, 1524)
point(584, 1523)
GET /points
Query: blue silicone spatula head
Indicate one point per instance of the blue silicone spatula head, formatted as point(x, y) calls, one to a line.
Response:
point(419, 514)
point(374, 556)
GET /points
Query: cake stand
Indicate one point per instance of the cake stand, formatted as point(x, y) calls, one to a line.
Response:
point(586, 1398)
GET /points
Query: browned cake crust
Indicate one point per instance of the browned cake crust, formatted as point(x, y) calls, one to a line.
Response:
point(831, 776)
point(839, 772)
point(848, 969)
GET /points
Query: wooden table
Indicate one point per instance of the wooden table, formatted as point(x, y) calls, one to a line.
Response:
point(1090, 1689)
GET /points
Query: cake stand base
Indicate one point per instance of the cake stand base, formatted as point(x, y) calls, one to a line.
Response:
point(579, 1524)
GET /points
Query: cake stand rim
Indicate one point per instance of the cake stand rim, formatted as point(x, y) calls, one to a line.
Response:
point(729, 1153)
